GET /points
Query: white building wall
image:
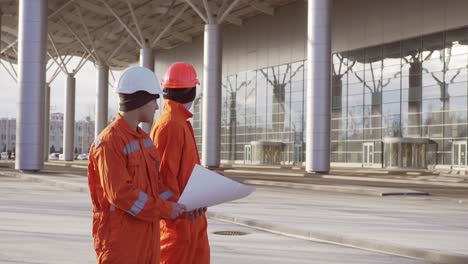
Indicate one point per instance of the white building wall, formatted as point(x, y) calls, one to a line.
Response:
point(362, 23)
point(271, 40)
point(260, 42)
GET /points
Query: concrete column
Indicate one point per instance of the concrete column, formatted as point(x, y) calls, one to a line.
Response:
point(102, 92)
point(69, 119)
point(147, 61)
point(211, 115)
point(46, 121)
point(32, 44)
point(318, 86)
point(1, 14)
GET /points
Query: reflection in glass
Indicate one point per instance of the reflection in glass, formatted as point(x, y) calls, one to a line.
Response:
point(415, 88)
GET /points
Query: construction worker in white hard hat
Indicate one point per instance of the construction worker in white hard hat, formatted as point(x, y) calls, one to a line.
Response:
point(128, 198)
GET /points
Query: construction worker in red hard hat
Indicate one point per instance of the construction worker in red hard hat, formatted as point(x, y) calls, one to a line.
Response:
point(128, 198)
point(184, 240)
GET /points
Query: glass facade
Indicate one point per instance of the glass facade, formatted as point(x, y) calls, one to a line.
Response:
point(265, 109)
point(414, 88)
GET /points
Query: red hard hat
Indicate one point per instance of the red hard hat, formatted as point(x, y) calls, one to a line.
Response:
point(180, 75)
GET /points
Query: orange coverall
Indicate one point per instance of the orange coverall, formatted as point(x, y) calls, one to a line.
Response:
point(182, 241)
point(124, 187)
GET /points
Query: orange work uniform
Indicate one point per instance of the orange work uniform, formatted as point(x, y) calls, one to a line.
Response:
point(124, 187)
point(182, 240)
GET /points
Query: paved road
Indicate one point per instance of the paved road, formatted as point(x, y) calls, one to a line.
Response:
point(46, 224)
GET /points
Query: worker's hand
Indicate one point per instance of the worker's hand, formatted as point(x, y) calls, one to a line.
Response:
point(177, 210)
point(194, 214)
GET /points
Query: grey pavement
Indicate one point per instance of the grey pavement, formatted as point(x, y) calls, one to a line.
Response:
point(432, 228)
point(48, 224)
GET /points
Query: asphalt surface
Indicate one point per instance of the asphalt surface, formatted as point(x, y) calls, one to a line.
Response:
point(47, 224)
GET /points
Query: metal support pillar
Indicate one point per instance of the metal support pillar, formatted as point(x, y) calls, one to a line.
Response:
point(147, 61)
point(318, 86)
point(46, 121)
point(211, 113)
point(69, 119)
point(32, 42)
point(102, 91)
point(1, 14)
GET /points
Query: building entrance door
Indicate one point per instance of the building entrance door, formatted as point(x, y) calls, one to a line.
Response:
point(368, 153)
point(248, 154)
point(459, 154)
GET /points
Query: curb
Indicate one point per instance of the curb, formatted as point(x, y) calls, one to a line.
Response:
point(361, 243)
point(65, 165)
point(370, 179)
point(349, 178)
point(76, 187)
point(372, 191)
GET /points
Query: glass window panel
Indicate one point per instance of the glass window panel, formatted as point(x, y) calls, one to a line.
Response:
point(391, 84)
point(356, 60)
point(457, 89)
point(411, 46)
point(355, 111)
point(338, 157)
point(338, 134)
point(297, 70)
point(412, 81)
point(391, 109)
point(372, 99)
point(338, 146)
point(373, 133)
point(391, 71)
point(355, 77)
point(456, 75)
point(431, 92)
point(374, 55)
point(391, 126)
point(434, 64)
point(354, 130)
point(354, 146)
point(433, 42)
point(456, 36)
point(432, 118)
point(455, 131)
point(456, 61)
point(391, 96)
point(392, 53)
point(357, 88)
point(355, 100)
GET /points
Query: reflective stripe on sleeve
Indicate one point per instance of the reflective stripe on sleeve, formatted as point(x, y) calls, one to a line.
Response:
point(131, 147)
point(139, 204)
point(165, 195)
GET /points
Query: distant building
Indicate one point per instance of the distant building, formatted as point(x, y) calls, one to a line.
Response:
point(84, 134)
point(7, 134)
point(56, 132)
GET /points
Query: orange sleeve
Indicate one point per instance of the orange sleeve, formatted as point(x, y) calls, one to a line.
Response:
point(119, 189)
point(169, 141)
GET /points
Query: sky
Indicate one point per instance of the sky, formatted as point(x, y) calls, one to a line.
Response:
point(85, 99)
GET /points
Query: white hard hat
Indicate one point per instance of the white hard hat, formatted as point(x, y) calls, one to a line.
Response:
point(138, 78)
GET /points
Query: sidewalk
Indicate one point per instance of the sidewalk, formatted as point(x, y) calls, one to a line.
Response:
point(413, 226)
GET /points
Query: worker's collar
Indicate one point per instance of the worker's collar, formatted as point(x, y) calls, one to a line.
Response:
point(177, 109)
point(127, 128)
